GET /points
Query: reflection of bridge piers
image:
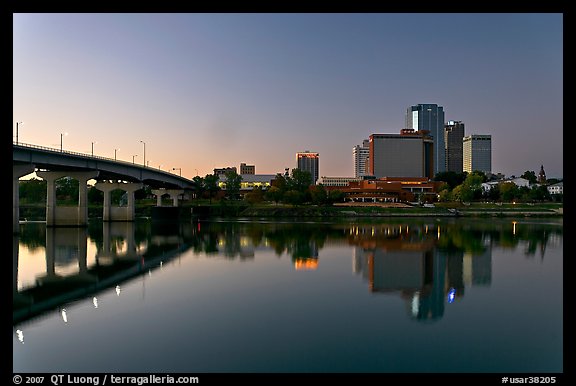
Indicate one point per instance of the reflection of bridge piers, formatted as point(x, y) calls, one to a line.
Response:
point(17, 172)
point(17, 298)
point(64, 245)
point(127, 250)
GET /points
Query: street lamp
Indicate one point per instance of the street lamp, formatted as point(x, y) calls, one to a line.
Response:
point(115, 150)
point(17, 123)
point(144, 161)
point(135, 155)
point(179, 169)
point(93, 147)
point(62, 135)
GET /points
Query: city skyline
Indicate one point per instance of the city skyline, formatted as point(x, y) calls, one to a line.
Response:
point(194, 92)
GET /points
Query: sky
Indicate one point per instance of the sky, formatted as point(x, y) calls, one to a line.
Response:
point(199, 91)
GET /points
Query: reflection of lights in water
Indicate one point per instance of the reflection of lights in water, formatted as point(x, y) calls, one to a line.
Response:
point(20, 336)
point(438, 232)
point(161, 264)
point(95, 302)
point(514, 227)
point(451, 295)
point(415, 303)
point(118, 290)
point(64, 316)
point(149, 272)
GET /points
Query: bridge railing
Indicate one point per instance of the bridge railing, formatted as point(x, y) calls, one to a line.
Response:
point(84, 155)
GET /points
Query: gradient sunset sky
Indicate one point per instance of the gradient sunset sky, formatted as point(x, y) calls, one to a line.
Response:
point(207, 90)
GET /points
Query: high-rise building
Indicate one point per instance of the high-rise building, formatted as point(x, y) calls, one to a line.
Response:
point(453, 134)
point(360, 155)
point(408, 154)
point(429, 117)
point(309, 162)
point(477, 153)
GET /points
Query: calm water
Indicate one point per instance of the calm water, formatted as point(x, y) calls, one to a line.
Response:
point(388, 296)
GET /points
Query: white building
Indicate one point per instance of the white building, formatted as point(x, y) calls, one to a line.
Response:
point(337, 181)
point(486, 186)
point(556, 188)
point(360, 155)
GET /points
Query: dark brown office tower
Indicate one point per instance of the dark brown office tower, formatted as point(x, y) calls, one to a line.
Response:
point(453, 134)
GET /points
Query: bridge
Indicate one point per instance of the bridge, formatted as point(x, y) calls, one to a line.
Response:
point(110, 174)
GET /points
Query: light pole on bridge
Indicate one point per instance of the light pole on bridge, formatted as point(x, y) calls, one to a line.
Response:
point(93, 147)
point(115, 150)
point(135, 155)
point(144, 161)
point(61, 136)
point(179, 169)
point(17, 123)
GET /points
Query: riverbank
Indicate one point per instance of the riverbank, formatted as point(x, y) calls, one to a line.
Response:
point(344, 210)
point(405, 210)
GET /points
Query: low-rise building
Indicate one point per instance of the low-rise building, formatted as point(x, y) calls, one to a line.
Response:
point(391, 189)
point(557, 188)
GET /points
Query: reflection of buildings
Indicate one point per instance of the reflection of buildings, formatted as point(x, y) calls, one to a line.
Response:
point(303, 264)
point(406, 260)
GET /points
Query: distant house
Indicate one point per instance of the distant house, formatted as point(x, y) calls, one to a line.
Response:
point(556, 188)
point(486, 186)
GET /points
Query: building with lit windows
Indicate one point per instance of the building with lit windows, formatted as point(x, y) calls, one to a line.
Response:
point(309, 161)
point(360, 156)
point(477, 153)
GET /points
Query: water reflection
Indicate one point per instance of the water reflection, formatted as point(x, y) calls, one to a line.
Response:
point(427, 263)
point(118, 251)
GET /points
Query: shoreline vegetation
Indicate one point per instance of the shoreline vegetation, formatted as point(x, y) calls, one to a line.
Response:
point(235, 209)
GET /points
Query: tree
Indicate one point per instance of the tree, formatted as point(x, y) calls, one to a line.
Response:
point(274, 194)
point(453, 179)
point(199, 186)
point(319, 195)
point(279, 182)
point(255, 196)
point(211, 185)
point(95, 196)
point(233, 183)
point(508, 191)
point(67, 189)
point(32, 191)
point(300, 180)
point(335, 196)
point(530, 176)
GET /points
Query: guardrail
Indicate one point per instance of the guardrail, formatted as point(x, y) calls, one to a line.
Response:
point(89, 156)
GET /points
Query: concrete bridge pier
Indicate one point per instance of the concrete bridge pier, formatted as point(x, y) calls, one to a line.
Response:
point(118, 213)
point(17, 172)
point(67, 216)
point(173, 193)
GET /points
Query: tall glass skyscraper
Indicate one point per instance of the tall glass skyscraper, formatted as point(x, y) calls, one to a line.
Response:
point(426, 116)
